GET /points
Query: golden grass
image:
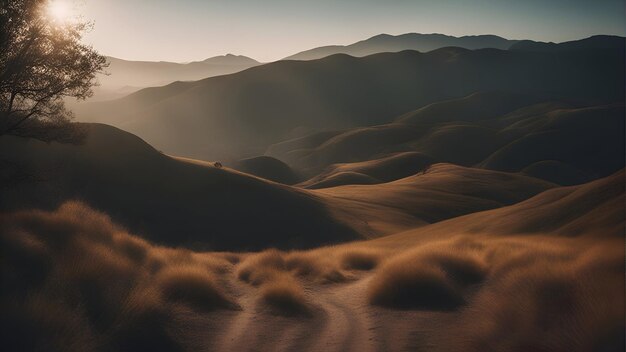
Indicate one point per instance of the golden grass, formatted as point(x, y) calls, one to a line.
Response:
point(317, 266)
point(258, 268)
point(284, 296)
point(428, 277)
point(361, 259)
point(525, 293)
point(70, 287)
point(193, 286)
point(407, 283)
point(73, 280)
point(564, 303)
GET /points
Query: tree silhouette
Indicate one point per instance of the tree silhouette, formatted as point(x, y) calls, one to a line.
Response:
point(42, 61)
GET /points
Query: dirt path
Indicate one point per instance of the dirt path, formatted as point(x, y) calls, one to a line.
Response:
point(340, 322)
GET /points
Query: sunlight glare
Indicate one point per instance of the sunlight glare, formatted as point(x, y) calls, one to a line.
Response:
point(59, 10)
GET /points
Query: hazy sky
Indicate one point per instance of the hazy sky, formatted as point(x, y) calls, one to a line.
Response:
point(187, 30)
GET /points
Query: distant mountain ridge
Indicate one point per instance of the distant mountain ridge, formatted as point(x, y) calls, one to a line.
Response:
point(230, 59)
point(157, 73)
point(123, 74)
point(597, 42)
point(409, 41)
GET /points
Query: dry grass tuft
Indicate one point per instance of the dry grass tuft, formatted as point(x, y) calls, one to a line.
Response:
point(284, 296)
point(193, 286)
point(132, 247)
point(258, 268)
point(144, 324)
point(462, 268)
point(360, 259)
point(429, 277)
point(559, 302)
point(317, 266)
point(232, 258)
point(74, 281)
point(405, 284)
point(553, 293)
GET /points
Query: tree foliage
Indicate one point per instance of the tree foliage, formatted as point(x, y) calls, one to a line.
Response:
point(42, 61)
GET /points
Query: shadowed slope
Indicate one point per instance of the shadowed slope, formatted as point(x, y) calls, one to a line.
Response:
point(268, 168)
point(581, 143)
point(474, 107)
point(588, 139)
point(169, 201)
point(555, 171)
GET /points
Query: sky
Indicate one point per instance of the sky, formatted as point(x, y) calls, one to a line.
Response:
point(268, 30)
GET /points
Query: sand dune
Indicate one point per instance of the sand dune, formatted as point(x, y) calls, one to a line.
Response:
point(473, 280)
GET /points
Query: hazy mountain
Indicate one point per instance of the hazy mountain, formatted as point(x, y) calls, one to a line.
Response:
point(236, 116)
point(230, 59)
point(124, 75)
point(410, 41)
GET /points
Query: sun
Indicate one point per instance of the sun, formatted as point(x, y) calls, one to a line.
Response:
point(59, 10)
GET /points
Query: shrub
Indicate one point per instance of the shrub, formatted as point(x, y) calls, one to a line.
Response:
point(194, 287)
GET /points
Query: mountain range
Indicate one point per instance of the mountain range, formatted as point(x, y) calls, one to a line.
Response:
point(410, 41)
point(124, 76)
point(240, 115)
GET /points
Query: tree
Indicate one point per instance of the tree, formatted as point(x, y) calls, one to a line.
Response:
point(42, 61)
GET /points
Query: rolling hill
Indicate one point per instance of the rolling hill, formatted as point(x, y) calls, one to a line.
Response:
point(177, 201)
point(240, 115)
point(442, 192)
point(591, 210)
point(166, 200)
point(557, 141)
point(268, 168)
